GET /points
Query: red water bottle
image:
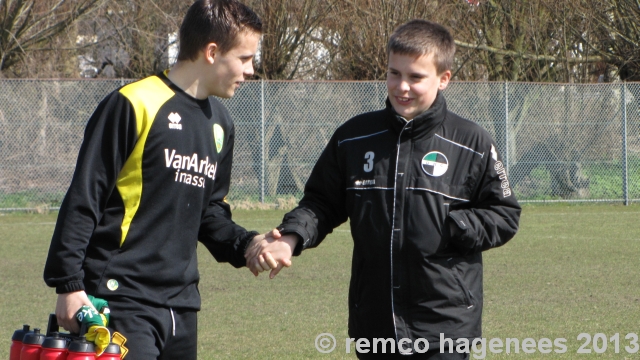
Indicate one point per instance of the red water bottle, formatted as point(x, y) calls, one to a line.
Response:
point(81, 350)
point(32, 345)
point(112, 352)
point(54, 347)
point(16, 342)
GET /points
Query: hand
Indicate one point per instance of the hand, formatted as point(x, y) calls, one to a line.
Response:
point(273, 252)
point(67, 306)
point(253, 250)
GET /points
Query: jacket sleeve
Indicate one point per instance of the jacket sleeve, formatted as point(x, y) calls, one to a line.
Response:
point(109, 138)
point(224, 239)
point(492, 217)
point(322, 207)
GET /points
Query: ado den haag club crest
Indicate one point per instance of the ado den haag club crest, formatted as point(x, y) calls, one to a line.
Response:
point(218, 136)
point(435, 163)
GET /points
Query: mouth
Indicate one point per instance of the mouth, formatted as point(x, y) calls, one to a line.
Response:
point(403, 100)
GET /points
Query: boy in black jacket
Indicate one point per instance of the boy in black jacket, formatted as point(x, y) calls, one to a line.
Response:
point(425, 192)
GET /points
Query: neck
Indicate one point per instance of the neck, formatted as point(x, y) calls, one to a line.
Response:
point(188, 77)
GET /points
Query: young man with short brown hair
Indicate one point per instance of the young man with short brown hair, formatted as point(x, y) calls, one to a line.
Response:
point(150, 182)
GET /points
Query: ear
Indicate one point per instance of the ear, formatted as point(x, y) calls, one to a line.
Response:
point(444, 80)
point(210, 52)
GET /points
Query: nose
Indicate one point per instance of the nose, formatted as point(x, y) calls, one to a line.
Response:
point(403, 85)
point(248, 70)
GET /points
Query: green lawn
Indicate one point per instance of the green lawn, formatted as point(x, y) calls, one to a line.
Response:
point(571, 269)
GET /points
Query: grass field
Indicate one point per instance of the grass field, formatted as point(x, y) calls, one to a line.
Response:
point(571, 269)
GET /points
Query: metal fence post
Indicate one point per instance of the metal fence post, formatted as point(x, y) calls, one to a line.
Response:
point(262, 142)
point(506, 125)
point(625, 174)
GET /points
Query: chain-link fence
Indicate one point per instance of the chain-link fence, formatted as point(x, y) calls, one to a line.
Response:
point(561, 142)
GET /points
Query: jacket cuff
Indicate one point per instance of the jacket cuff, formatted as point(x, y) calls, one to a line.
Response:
point(71, 286)
point(246, 240)
point(461, 231)
point(300, 231)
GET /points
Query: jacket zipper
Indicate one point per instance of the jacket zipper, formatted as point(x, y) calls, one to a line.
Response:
point(393, 225)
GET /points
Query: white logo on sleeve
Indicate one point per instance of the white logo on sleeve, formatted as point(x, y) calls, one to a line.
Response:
point(494, 153)
point(174, 121)
point(502, 175)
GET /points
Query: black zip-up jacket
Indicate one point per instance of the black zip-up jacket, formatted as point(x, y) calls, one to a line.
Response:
point(150, 182)
point(424, 199)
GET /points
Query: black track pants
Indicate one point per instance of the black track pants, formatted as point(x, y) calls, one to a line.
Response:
point(154, 332)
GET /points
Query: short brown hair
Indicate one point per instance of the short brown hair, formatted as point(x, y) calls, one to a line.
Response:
point(215, 21)
point(421, 37)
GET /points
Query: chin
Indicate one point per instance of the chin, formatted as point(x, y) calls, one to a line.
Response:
point(404, 112)
point(226, 95)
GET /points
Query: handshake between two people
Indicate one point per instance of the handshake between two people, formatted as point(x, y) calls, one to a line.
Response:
point(270, 251)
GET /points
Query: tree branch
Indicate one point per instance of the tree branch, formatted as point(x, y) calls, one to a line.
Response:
point(527, 56)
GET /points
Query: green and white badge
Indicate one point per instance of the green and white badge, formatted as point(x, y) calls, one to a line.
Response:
point(435, 163)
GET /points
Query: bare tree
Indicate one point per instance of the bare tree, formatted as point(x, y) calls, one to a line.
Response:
point(512, 40)
point(364, 28)
point(27, 26)
point(134, 36)
point(525, 40)
point(131, 38)
point(293, 38)
point(614, 36)
point(515, 40)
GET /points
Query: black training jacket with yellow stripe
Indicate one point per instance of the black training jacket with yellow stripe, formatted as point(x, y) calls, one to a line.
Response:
point(424, 199)
point(150, 181)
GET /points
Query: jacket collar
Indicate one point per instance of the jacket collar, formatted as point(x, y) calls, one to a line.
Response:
point(423, 124)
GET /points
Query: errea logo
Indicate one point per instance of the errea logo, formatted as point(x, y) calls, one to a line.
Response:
point(174, 121)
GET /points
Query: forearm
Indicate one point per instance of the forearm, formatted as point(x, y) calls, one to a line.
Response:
point(311, 221)
point(479, 229)
point(63, 267)
point(225, 240)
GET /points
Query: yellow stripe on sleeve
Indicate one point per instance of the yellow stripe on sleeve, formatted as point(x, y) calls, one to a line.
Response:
point(146, 97)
